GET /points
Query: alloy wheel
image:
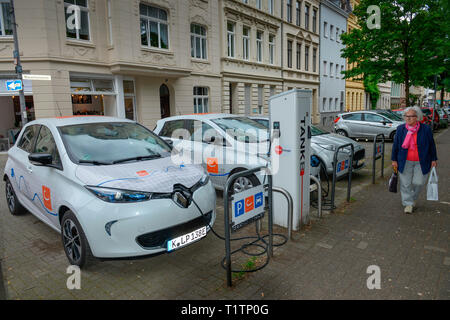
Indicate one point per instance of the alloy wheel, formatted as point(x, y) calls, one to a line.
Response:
point(242, 184)
point(72, 241)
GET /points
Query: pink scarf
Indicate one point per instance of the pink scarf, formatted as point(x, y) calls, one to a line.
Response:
point(409, 140)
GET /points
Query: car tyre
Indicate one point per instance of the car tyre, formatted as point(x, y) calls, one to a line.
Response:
point(244, 183)
point(75, 243)
point(342, 132)
point(392, 135)
point(14, 206)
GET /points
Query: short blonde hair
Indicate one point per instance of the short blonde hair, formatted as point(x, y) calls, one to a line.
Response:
point(417, 110)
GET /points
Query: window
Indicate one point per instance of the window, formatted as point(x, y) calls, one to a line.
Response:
point(45, 143)
point(289, 10)
point(258, 4)
point(245, 43)
point(82, 32)
point(270, 5)
point(306, 58)
point(259, 38)
point(370, 117)
point(337, 34)
point(245, 1)
point(324, 68)
point(260, 98)
point(271, 48)
point(109, 12)
point(5, 19)
point(337, 71)
point(230, 39)
point(314, 60)
point(198, 42)
point(306, 17)
point(154, 27)
point(331, 31)
point(325, 27)
point(289, 53)
point(330, 104)
point(299, 52)
point(342, 72)
point(201, 100)
point(169, 128)
point(331, 69)
point(314, 22)
point(352, 116)
point(336, 103)
point(324, 103)
point(26, 142)
point(298, 9)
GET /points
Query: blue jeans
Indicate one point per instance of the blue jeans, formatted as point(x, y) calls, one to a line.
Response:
point(411, 182)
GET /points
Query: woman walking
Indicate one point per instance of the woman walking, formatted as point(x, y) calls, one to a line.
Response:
point(413, 155)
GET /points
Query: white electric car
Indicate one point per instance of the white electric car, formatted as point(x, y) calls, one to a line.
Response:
point(108, 186)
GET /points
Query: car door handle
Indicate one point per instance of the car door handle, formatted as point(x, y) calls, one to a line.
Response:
point(30, 169)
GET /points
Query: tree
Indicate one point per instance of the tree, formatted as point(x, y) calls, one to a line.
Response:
point(408, 47)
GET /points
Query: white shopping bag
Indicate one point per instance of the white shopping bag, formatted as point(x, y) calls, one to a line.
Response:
point(432, 187)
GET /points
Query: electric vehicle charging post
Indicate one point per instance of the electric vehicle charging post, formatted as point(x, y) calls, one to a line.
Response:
point(342, 167)
point(290, 126)
point(378, 152)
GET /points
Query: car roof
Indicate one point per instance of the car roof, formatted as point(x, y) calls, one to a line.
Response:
point(202, 116)
point(71, 120)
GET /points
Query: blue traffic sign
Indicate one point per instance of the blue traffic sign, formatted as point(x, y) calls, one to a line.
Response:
point(14, 85)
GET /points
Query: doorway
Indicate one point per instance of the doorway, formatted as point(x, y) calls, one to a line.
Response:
point(164, 97)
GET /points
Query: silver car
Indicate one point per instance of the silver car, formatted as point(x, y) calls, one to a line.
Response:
point(324, 144)
point(212, 133)
point(364, 124)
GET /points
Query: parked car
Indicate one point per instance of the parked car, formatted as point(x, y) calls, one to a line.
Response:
point(426, 119)
point(364, 124)
point(108, 186)
point(222, 134)
point(428, 111)
point(443, 118)
point(324, 144)
point(397, 116)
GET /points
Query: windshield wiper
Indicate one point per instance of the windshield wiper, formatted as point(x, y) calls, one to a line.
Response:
point(94, 162)
point(139, 158)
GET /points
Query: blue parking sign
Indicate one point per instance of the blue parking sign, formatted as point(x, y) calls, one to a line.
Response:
point(259, 200)
point(239, 208)
point(14, 85)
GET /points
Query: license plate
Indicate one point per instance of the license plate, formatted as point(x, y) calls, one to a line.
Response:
point(184, 240)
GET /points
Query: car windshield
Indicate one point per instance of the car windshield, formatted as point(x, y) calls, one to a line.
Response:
point(112, 142)
point(391, 116)
point(317, 132)
point(243, 129)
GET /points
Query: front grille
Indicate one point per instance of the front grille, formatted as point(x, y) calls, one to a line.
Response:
point(158, 239)
point(359, 155)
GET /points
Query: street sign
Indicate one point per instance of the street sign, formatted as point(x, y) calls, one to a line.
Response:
point(247, 206)
point(14, 85)
point(36, 77)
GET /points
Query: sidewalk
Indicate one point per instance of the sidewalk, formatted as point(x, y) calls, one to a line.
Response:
point(329, 259)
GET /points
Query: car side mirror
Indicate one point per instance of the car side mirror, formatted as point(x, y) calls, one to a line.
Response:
point(210, 139)
point(40, 159)
point(169, 142)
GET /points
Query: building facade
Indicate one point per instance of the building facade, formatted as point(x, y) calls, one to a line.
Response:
point(354, 89)
point(333, 21)
point(384, 101)
point(149, 59)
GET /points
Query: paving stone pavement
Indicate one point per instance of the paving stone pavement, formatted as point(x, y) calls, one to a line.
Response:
point(327, 259)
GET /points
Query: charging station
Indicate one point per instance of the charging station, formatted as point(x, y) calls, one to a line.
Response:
point(290, 125)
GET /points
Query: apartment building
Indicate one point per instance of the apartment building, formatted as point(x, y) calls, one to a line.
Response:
point(333, 21)
point(356, 98)
point(384, 101)
point(142, 60)
point(268, 49)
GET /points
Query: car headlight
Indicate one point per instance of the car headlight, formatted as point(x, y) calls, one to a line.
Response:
point(330, 147)
point(118, 195)
point(204, 180)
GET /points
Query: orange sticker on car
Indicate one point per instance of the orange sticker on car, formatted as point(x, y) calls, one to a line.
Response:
point(142, 173)
point(46, 195)
point(212, 165)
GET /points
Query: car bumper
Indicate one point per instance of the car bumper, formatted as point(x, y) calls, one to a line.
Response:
point(119, 230)
point(328, 157)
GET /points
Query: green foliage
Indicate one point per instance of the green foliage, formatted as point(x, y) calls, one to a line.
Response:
point(410, 47)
